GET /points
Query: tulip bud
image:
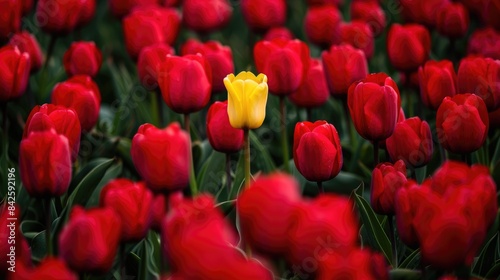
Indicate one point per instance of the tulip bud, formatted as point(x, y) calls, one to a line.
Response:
point(10, 17)
point(374, 109)
point(206, 15)
point(65, 122)
point(411, 142)
point(45, 163)
point(89, 241)
point(120, 8)
point(462, 123)
point(386, 180)
point(359, 35)
point(148, 26)
point(313, 92)
point(148, 64)
point(82, 58)
point(61, 17)
point(278, 32)
point(437, 80)
point(81, 94)
point(408, 46)
point(48, 268)
point(371, 13)
point(132, 202)
point(221, 135)
point(480, 76)
point(27, 43)
point(14, 70)
point(265, 210)
point(314, 230)
point(10, 234)
point(162, 156)
point(284, 62)
point(247, 98)
point(356, 264)
point(453, 20)
point(317, 152)
point(484, 42)
point(343, 65)
point(219, 57)
point(185, 83)
point(261, 15)
point(322, 25)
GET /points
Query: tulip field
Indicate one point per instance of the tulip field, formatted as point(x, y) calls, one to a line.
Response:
point(249, 139)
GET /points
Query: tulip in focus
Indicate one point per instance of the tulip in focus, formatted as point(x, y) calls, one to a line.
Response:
point(148, 64)
point(462, 123)
point(247, 98)
point(322, 25)
point(408, 46)
point(317, 152)
point(185, 82)
point(81, 94)
point(386, 180)
point(15, 71)
point(162, 156)
point(261, 15)
point(313, 92)
point(221, 135)
point(90, 239)
point(132, 202)
point(82, 58)
point(27, 43)
point(437, 80)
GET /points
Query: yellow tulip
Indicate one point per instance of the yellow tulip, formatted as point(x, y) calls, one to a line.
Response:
point(247, 98)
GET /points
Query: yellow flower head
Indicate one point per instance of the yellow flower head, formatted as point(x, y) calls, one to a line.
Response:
point(247, 98)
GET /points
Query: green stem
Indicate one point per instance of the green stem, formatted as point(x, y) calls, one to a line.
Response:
point(284, 141)
point(375, 152)
point(48, 227)
point(159, 104)
point(228, 174)
point(309, 114)
point(320, 187)
point(192, 176)
point(392, 236)
point(247, 157)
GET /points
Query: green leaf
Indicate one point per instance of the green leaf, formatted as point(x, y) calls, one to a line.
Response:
point(213, 170)
point(239, 177)
point(77, 179)
point(412, 260)
point(262, 160)
point(112, 173)
point(377, 237)
point(494, 272)
point(486, 257)
point(420, 174)
point(405, 274)
point(38, 246)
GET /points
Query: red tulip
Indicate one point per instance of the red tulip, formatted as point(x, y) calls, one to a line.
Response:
point(219, 57)
point(437, 80)
point(343, 65)
point(422, 11)
point(484, 42)
point(278, 32)
point(45, 163)
point(317, 152)
point(81, 94)
point(89, 241)
point(49, 268)
point(160, 206)
point(359, 35)
point(27, 43)
point(462, 123)
point(148, 64)
point(374, 109)
point(221, 135)
point(162, 156)
point(206, 15)
point(265, 212)
point(453, 20)
point(185, 82)
point(285, 63)
point(322, 25)
point(261, 15)
point(120, 8)
point(405, 203)
point(315, 231)
point(14, 70)
point(10, 17)
point(12, 238)
point(146, 26)
point(356, 264)
point(408, 46)
point(386, 180)
point(313, 92)
point(132, 202)
point(61, 17)
point(65, 122)
point(480, 76)
point(411, 142)
point(324, 2)
point(491, 12)
point(382, 79)
point(171, 3)
point(27, 6)
point(82, 58)
point(371, 13)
